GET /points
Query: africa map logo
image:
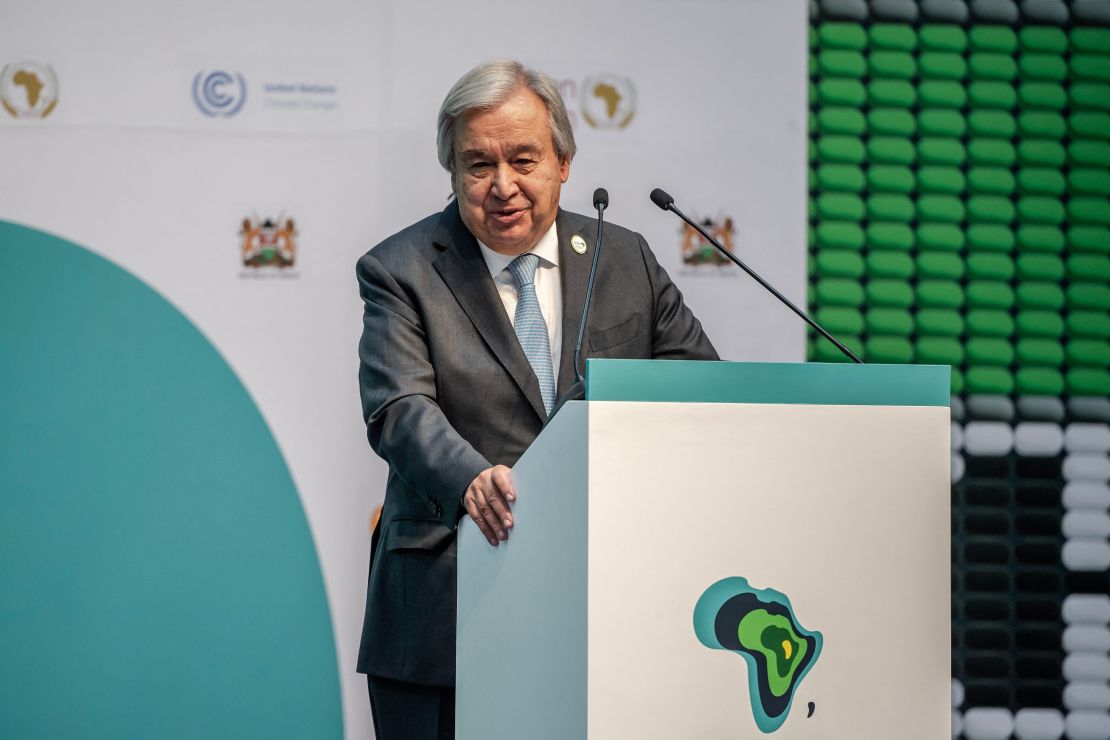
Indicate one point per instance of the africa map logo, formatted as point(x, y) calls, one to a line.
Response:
point(28, 89)
point(608, 101)
point(759, 625)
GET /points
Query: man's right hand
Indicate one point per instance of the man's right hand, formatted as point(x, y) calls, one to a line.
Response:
point(487, 502)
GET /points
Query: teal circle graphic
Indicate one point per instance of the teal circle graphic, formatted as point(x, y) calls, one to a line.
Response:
point(157, 574)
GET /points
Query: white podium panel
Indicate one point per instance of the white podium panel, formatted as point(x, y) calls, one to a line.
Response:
point(812, 501)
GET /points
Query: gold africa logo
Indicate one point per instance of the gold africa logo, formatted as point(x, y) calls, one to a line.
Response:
point(28, 89)
point(608, 101)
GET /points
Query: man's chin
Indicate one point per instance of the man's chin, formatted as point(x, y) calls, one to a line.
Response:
point(510, 241)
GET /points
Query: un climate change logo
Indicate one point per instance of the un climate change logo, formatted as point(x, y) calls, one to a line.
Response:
point(759, 625)
point(219, 93)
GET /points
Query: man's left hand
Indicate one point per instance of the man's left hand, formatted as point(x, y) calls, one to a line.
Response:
point(487, 502)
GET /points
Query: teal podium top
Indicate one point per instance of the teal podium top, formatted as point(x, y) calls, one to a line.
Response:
point(834, 384)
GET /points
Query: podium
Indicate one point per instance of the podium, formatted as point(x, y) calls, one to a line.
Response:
point(719, 550)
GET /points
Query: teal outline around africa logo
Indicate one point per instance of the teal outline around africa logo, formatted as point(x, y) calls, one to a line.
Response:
point(759, 625)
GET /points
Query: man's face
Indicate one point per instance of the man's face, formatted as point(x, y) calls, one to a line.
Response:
point(507, 176)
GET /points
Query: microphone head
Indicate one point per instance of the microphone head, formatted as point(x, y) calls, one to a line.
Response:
point(601, 198)
point(660, 198)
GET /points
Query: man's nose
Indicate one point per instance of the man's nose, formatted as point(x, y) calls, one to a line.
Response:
point(504, 184)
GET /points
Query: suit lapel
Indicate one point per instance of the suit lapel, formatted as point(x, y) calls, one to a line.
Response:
point(462, 268)
point(574, 271)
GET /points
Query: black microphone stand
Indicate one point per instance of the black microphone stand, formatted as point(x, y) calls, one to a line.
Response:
point(666, 202)
point(578, 391)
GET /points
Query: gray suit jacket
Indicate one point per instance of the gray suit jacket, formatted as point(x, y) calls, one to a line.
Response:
point(447, 392)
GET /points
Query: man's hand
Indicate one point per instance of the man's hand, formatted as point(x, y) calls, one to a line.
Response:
point(487, 502)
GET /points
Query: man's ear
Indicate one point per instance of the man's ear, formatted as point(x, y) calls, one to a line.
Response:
point(564, 170)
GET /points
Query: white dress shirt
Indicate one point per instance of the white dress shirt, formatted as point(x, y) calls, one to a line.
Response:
point(548, 287)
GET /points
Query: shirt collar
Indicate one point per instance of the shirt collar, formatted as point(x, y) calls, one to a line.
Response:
point(547, 249)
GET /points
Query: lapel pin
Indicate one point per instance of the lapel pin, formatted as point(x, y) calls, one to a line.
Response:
point(578, 244)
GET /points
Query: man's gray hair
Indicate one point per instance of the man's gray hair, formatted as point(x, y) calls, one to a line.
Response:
point(489, 85)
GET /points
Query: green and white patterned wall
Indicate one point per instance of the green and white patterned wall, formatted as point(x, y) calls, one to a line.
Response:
point(959, 212)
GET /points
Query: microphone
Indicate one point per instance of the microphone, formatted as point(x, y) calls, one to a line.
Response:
point(578, 390)
point(662, 199)
point(601, 202)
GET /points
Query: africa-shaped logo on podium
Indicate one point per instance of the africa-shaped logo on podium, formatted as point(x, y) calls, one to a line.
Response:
point(759, 625)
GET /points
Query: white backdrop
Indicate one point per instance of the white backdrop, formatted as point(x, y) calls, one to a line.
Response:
point(337, 132)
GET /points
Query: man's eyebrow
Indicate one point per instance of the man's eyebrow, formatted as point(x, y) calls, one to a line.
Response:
point(525, 148)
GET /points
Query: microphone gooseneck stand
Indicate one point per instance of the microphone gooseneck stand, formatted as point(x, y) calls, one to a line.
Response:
point(578, 390)
point(666, 202)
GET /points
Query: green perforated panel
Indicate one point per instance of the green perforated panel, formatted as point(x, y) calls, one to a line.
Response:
point(963, 169)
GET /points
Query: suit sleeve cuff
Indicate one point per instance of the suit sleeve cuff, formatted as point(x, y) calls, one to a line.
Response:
point(450, 503)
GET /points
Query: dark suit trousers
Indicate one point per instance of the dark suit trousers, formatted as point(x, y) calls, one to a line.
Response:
point(410, 711)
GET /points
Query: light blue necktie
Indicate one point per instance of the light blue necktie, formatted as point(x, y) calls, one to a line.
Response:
point(531, 329)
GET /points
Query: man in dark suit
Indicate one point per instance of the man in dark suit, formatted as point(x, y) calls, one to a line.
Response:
point(469, 328)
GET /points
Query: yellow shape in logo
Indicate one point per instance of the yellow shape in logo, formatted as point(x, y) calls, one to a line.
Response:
point(28, 89)
point(608, 101)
